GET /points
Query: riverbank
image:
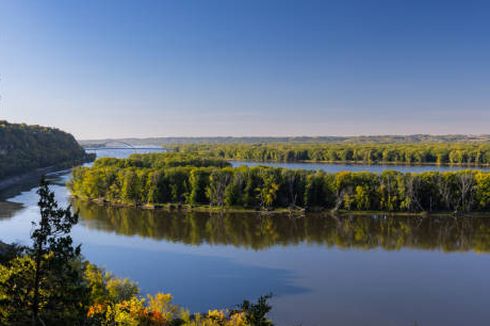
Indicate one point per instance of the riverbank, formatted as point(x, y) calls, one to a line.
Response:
point(469, 154)
point(176, 179)
point(32, 178)
point(164, 249)
point(335, 162)
point(170, 207)
point(296, 212)
point(371, 163)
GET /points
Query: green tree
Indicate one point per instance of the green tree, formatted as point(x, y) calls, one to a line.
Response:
point(46, 285)
point(267, 191)
point(57, 286)
point(256, 313)
point(16, 295)
point(198, 182)
point(218, 183)
point(483, 190)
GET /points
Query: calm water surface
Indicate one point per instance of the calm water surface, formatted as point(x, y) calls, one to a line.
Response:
point(322, 269)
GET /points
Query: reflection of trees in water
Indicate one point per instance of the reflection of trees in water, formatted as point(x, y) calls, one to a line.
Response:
point(256, 231)
point(9, 209)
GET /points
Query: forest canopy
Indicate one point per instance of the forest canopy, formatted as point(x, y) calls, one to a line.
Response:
point(426, 153)
point(24, 148)
point(122, 182)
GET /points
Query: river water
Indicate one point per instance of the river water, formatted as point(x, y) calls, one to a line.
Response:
point(322, 269)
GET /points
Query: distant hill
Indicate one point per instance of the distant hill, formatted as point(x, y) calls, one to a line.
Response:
point(24, 148)
point(387, 139)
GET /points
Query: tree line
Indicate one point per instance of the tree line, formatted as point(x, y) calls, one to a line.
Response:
point(24, 148)
point(160, 160)
point(260, 187)
point(51, 283)
point(434, 153)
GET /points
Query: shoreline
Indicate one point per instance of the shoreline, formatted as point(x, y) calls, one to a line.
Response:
point(35, 175)
point(297, 212)
point(407, 164)
point(468, 165)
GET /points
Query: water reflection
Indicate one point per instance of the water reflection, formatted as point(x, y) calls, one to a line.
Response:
point(8, 209)
point(223, 281)
point(257, 231)
point(213, 260)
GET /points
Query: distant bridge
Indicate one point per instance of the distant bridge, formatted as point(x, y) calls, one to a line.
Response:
point(117, 145)
point(109, 145)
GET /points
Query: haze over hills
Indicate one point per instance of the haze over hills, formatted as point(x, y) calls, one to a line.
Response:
point(381, 139)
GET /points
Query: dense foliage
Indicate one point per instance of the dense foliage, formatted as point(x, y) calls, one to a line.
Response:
point(24, 148)
point(51, 284)
point(260, 231)
point(445, 153)
point(120, 182)
point(161, 160)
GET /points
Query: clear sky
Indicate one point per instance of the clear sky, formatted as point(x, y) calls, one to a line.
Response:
point(235, 68)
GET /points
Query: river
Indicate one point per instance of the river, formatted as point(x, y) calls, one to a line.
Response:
point(322, 269)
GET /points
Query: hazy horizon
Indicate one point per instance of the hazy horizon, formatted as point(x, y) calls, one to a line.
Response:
point(127, 69)
point(278, 137)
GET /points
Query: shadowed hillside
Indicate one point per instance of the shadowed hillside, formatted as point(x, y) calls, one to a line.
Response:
point(24, 148)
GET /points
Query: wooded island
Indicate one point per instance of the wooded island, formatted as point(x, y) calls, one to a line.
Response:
point(471, 153)
point(190, 179)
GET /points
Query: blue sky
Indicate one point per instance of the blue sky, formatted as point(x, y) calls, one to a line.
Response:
point(218, 68)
